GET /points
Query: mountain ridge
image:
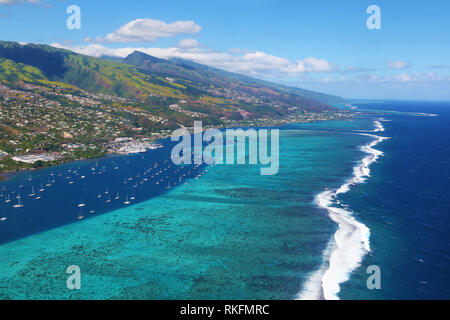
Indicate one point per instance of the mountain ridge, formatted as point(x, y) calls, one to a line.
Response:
point(69, 106)
point(154, 83)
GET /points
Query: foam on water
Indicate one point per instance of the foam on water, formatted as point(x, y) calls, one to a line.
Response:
point(378, 127)
point(351, 242)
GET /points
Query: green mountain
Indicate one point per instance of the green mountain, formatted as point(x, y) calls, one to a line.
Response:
point(157, 83)
point(209, 76)
point(72, 106)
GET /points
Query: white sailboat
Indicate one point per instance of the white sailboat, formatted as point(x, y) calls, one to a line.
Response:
point(80, 215)
point(19, 204)
point(8, 199)
point(127, 202)
point(81, 204)
point(33, 193)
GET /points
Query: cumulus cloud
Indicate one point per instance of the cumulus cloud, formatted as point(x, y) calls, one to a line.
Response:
point(147, 30)
point(188, 43)
point(310, 65)
point(254, 63)
point(397, 64)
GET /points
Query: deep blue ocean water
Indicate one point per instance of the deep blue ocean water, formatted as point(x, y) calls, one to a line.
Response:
point(406, 204)
point(231, 233)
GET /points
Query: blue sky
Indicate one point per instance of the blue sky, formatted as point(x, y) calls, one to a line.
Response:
point(319, 45)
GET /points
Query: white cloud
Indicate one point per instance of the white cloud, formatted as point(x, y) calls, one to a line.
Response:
point(405, 78)
point(253, 63)
point(188, 43)
point(311, 65)
point(419, 77)
point(147, 30)
point(238, 50)
point(397, 64)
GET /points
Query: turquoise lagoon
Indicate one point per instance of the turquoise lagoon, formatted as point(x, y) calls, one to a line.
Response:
point(232, 234)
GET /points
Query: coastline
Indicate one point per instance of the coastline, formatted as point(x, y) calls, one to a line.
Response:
point(259, 251)
point(351, 242)
point(339, 115)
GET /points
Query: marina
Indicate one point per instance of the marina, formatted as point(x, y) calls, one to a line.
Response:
point(31, 203)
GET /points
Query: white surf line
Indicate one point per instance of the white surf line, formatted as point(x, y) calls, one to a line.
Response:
point(351, 242)
point(378, 126)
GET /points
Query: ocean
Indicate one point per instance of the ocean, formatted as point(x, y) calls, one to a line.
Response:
point(349, 195)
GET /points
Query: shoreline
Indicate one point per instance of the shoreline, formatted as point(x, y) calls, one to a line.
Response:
point(6, 175)
point(351, 242)
point(318, 252)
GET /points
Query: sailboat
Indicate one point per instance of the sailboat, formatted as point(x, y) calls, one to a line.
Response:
point(80, 215)
point(81, 204)
point(19, 204)
point(106, 192)
point(38, 197)
point(109, 199)
point(127, 202)
point(117, 196)
point(42, 188)
point(32, 194)
point(8, 199)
